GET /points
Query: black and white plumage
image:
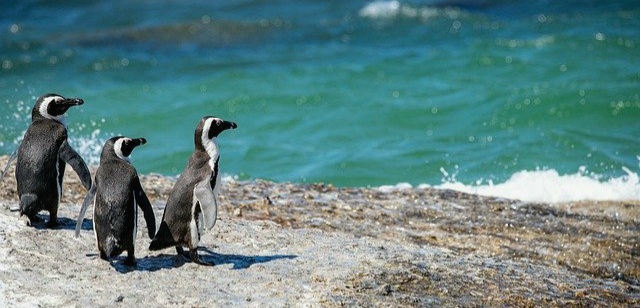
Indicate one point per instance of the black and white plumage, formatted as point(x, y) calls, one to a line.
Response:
point(42, 157)
point(192, 207)
point(116, 193)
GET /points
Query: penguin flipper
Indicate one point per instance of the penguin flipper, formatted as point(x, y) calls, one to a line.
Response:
point(145, 206)
point(163, 238)
point(88, 199)
point(11, 159)
point(71, 157)
point(208, 203)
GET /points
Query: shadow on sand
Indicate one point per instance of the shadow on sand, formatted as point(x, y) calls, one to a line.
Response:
point(168, 261)
point(63, 223)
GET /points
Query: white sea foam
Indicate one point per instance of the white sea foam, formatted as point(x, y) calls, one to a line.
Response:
point(89, 148)
point(550, 187)
point(381, 9)
point(390, 188)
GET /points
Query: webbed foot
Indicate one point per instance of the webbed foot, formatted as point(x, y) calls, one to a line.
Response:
point(181, 254)
point(31, 220)
point(195, 258)
point(52, 224)
point(130, 261)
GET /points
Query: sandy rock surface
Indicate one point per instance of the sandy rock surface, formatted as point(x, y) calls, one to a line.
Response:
point(285, 245)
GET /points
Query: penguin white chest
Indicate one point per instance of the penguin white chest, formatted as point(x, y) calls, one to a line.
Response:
point(211, 147)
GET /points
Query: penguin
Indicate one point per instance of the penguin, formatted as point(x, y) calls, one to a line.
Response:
point(116, 193)
point(191, 206)
point(42, 157)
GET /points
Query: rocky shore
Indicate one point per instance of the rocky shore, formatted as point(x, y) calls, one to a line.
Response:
point(281, 244)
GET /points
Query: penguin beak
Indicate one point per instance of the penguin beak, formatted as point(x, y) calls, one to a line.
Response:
point(59, 107)
point(73, 102)
point(139, 141)
point(220, 126)
point(229, 125)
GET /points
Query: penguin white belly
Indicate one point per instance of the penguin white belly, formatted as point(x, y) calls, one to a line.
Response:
point(200, 224)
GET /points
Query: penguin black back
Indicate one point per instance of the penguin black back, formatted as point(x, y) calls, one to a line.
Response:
point(42, 156)
point(117, 192)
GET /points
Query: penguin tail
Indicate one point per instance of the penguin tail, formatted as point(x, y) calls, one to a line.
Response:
point(27, 204)
point(112, 248)
point(163, 238)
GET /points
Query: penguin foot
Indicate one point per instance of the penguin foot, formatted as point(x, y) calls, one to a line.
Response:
point(32, 220)
point(182, 254)
point(130, 261)
point(35, 219)
point(27, 222)
point(52, 224)
point(196, 259)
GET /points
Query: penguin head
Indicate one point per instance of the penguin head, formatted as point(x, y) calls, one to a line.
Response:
point(210, 127)
point(121, 147)
point(53, 106)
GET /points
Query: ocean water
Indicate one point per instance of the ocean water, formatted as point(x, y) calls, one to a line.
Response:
point(538, 100)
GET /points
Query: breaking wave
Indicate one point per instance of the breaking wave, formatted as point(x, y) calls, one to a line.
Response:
point(549, 186)
point(395, 9)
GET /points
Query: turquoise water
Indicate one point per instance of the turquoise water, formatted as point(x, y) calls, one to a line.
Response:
point(354, 93)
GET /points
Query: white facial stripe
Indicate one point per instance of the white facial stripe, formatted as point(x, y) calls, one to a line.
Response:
point(117, 147)
point(210, 145)
point(206, 128)
point(45, 106)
